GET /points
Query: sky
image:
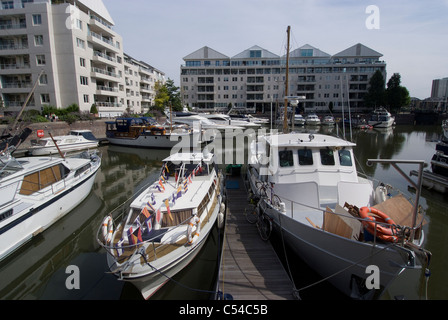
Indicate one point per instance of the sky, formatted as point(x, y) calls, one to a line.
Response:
point(412, 35)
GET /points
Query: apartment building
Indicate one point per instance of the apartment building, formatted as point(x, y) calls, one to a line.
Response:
point(255, 79)
point(72, 48)
point(439, 88)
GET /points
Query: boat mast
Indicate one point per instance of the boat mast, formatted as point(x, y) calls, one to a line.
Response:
point(285, 115)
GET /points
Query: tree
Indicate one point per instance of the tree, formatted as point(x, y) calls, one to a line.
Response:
point(397, 96)
point(376, 94)
point(162, 97)
point(174, 95)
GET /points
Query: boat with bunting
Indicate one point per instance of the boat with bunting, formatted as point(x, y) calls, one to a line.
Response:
point(167, 224)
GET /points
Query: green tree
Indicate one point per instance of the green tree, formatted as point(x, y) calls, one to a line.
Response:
point(162, 97)
point(376, 95)
point(397, 96)
point(174, 95)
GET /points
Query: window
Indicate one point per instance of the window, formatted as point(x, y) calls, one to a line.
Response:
point(80, 43)
point(86, 98)
point(84, 80)
point(43, 80)
point(40, 59)
point(45, 98)
point(37, 19)
point(255, 53)
point(327, 157)
point(7, 4)
point(79, 24)
point(305, 157)
point(82, 62)
point(286, 158)
point(39, 40)
point(345, 158)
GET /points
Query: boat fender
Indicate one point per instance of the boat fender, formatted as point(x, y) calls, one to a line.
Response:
point(108, 229)
point(385, 233)
point(380, 194)
point(193, 229)
point(221, 215)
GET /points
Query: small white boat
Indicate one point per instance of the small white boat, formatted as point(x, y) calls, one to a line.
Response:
point(312, 120)
point(167, 224)
point(309, 188)
point(299, 120)
point(328, 121)
point(76, 140)
point(381, 118)
point(226, 120)
point(38, 191)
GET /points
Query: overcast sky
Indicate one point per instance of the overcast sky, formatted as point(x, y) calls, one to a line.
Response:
point(412, 35)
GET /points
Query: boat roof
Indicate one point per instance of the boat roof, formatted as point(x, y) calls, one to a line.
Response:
point(306, 140)
point(190, 157)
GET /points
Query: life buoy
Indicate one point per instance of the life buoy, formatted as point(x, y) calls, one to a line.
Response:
point(108, 229)
point(193, 229)
point(385, 233)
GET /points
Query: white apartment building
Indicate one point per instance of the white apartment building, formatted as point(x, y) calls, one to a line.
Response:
point(255, 78)
point(73, 44)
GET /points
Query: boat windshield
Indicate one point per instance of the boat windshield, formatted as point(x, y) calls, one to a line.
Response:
point(9, 166)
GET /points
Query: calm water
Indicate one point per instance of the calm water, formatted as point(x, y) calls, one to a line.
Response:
point(38, 270)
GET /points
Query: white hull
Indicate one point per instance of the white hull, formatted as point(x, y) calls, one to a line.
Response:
point(39, 216)
point(40, 151)
point(382, 124)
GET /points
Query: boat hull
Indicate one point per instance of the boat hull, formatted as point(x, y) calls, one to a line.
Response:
point(40, 151)
point(343, 261)
point(155, 141)
point(34, 220)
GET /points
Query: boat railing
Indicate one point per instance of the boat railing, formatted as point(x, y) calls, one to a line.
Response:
point(271, 196)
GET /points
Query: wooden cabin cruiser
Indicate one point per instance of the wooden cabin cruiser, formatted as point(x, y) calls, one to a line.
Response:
point(337, 222)
point(146, 133)
point(381, 118)
point(167, 224)
point(38, 191)
point(76, 140)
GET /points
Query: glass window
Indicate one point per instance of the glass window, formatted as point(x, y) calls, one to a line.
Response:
point(345, 158)
point(286, 158)
point(37, 19)
point(305, 157)
point(327, 157)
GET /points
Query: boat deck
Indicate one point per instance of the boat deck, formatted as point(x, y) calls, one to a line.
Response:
point(250, 268)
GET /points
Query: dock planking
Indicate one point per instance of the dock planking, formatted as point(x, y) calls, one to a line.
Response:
point(250, 268)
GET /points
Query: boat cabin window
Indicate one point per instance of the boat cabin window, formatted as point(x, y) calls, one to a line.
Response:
point(305, 157)
point(286, 158)
point(345, 158)
point(39, 180)
point(327, 157)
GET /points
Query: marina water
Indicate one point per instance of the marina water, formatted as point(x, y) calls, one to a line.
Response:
point(39, 270)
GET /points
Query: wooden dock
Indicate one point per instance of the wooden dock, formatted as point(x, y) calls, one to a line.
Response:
point(250, 268)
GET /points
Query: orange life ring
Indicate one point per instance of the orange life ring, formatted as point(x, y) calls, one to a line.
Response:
point(385, 233)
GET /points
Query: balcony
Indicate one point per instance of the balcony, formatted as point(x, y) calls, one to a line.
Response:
point(104, 74)
point(103, 41)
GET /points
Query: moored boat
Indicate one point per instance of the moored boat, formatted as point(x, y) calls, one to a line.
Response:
point(167, 224)
point(299, 120)
point(309, 188)
point(146, 133)
point(38, 191)
point(328, 121)
point(76, 140)
point(381, 118)
point(312, 120)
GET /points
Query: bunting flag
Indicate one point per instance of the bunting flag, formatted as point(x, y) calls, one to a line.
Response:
point(179, 192)
point(174, 198)
point(159, 217)
point(146, 212)
point(153, 199)
point(167, 204)
point(185, 186)
point(189, 179)
point(150, 206)
point(162, 178)
point(148, 225)
point(119, 248)
point(162, 186)
point(166, 167)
